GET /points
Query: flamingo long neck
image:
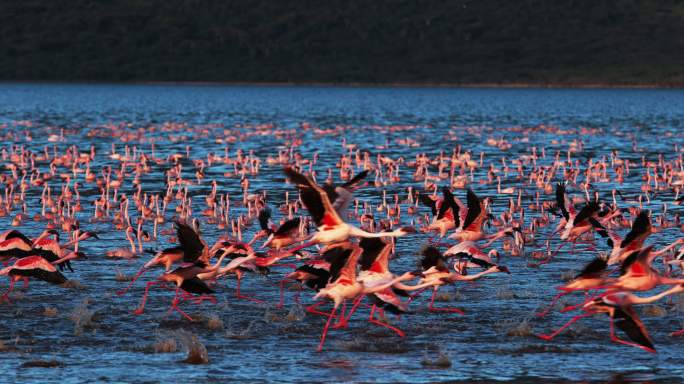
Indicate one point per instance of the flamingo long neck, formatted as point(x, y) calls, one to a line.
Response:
point(235, 263)
point(218, 262)
point(130, 240)
point(663, 250)
point(654, 298)
point(477, 275)
point(41, 237)
point(670, 281)
point(361, 233)
point(66, 258)
point(404, 287)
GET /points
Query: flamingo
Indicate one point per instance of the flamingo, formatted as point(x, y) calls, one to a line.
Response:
point(14, 244)
point(191, 249)
point(186, 279)
point(638, 274)
point(331, 228)
point(37, 267)
point(315, 274)
point(51, 250)
point(436, 274)
point(471, 230)
point(125, 253)
point(243, 259)
point(619, 306)
point(445, 212)
point(285, 235)
point(434, 267)
point(592, 277)
point(472, 254)
point(343, 283)
point(375, 273)
point(634, 240)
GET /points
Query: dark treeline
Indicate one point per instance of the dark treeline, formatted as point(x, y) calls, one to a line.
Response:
point(374, 41)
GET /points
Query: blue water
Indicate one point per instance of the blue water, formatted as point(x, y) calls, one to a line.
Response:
point(260, 343)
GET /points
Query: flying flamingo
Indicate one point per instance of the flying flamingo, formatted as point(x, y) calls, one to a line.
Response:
point(51, 250)
point(436, 274)
point(287, 234)
point(471, 230)
point(634, 240)
point(37, 267)
point(315, 274)
point(375, 273)
point(636, 274)
point(344, 284)
point(619, 306)
point(331, 228)
point(445, 212)
point(14, 244)
point(469, 255)
point(592, 277)
point(243, 259)
point(191, 249)
point(186, 279)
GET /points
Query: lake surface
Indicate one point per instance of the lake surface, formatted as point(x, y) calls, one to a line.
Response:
point(94, 336)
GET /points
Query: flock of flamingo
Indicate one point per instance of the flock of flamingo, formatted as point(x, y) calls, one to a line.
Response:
point(308, 240)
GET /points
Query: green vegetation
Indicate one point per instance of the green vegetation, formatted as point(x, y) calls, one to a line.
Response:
point(613, 42)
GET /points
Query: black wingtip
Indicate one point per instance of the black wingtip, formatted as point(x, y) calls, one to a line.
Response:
point(296, 177)
point(360, 176)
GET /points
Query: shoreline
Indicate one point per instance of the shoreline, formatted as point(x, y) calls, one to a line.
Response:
point(589, 85)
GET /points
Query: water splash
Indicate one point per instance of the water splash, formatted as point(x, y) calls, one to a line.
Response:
point(82, 317)
point(197, 352)
point(214, 322)
point(435, 359)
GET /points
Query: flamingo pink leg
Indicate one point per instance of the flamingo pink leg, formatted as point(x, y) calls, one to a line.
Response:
point(243, 297)
point(341, 315)
point(344, 321)
point(576, 306)
point(553, 302)
point(174, 307)
point(341, 320)
point(302, 246)
point(677, 333)
point(325, 329)
point(282, 293)
point(372, 320)
point(411, 297)
point(431, 307)
point(141, 307)
point(137, 275)
point(555, 253)
point(5, 296)
point(559, 330)
point(312, 309)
